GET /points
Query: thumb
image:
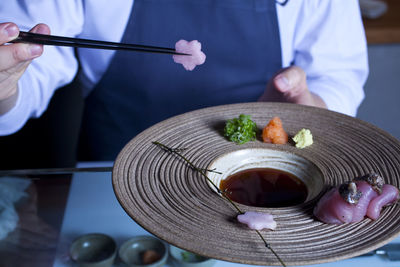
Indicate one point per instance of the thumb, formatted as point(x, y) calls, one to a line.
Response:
point(290, 85)
point(287, 85)
point(291, 81)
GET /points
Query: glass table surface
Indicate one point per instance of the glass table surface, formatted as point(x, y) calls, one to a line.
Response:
point(41, 213)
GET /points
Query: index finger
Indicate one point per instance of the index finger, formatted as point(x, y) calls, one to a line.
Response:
point(8, 32)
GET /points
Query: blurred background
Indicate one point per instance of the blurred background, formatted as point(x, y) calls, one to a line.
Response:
point(381, 105)
point(51, 140)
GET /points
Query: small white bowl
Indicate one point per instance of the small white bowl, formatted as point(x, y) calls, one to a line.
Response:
point(251, 158)
point(131, 251)
point(183, 258)
point(93, 250)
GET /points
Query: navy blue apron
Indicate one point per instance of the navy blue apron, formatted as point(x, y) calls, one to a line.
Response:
point(239, 37)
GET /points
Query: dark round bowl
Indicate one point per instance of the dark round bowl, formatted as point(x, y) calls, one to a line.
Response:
point(93, 250)
point(132, 251)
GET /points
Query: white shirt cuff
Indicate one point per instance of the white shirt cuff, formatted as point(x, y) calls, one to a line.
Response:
point(14, 119)
point(344, 101)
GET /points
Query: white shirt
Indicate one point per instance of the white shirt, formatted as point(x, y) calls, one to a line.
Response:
point(324, 37)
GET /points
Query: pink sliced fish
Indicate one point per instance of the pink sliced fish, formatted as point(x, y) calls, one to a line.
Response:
point(352, 201)
point(193, 48)
point(257, 220)
point(333, 209)
point(389, 195)
point(368, 193)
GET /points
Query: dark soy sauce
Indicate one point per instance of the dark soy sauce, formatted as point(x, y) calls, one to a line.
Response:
point(264, 187)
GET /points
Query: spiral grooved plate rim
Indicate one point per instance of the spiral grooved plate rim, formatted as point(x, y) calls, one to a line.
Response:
point(167, 198)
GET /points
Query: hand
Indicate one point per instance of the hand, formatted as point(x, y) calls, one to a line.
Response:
point(15, 58)
point(290, 85)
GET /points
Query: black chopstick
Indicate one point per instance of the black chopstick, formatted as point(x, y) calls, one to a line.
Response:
point(28, 37)
point(54, 171)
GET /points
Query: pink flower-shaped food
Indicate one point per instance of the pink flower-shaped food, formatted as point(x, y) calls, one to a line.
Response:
point(192, 48)
point(257, 220)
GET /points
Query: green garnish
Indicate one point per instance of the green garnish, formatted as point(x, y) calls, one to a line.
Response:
point(185, 255)
point(240, 130)
point(190, 257)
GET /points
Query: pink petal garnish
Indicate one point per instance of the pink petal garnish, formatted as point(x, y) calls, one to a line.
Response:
point(257, 220)
point(192, 48)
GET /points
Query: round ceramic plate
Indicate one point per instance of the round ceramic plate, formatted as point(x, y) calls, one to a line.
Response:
point(174, 202)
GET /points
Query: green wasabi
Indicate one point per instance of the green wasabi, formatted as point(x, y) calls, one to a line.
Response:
point(303, 138)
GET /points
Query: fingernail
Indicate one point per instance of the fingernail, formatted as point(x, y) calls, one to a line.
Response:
point(11, 30)
point(282, 83)
point(35, 50)
point(40, 29)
